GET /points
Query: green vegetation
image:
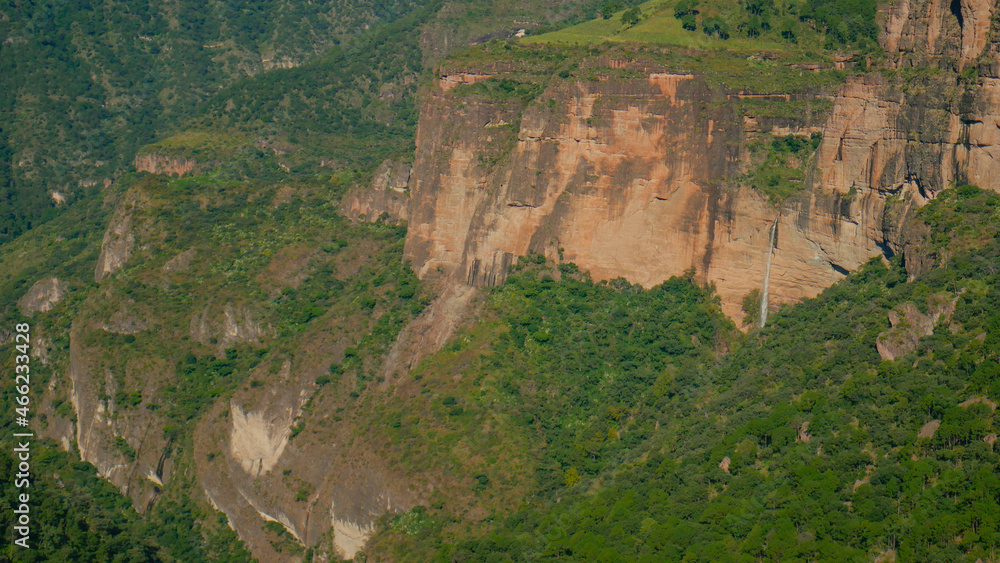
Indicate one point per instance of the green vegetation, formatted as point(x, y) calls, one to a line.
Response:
point(572, 420)
point(779, 73)
point(202, 146)
point(814, 110)
point(724, 24)
point(781, 173)
point(202, 380)
point(334, 107)
point(501, 89)
point(77, 516)
point(352, 280)
point(87, 84)
point(650, 23)
point(957, 221)
point(799, 443)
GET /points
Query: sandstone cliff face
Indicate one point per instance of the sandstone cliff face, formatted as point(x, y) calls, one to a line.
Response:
point(387, 194)
point(641, 177)
point(937, 32)
point(626, 178)
point(925, 136)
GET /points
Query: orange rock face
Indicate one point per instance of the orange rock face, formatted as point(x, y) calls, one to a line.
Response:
point(159, 164)
point(939, 31)
point(628, 179)
point(641, 179)
point(386, 195)
point(645, 177)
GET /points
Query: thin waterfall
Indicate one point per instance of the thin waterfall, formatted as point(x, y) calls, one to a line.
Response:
point(767, 274)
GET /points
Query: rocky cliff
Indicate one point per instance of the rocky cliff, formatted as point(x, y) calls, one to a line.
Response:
point(182, 374)
point(387, 194)
point(162, 164)
point(646, 175)
point(628, 166)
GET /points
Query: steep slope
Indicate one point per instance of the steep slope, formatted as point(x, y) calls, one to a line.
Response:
point(87, 83)
point(230, 352)
point(800, 443)
point(193, 335)
point(209, 337)
point(640, 164)
point(631, 178)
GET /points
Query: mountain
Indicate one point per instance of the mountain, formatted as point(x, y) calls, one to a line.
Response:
point(505, 281)
point(642, 164)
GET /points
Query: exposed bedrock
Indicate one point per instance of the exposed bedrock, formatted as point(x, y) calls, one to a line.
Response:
point(644, 178)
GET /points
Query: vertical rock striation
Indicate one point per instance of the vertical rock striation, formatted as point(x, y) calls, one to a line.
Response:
point(642, 177)
point(626, 178)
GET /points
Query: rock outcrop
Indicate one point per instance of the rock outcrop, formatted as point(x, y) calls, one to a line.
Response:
point(643, 177)
point(181, 262)
point(161, 164)
point(236, 325)
point(937, 33)
point(256, 442)
point(128, 447)
point(428, 332)
point(42, 296)
point(626, 178)
point(128, 319)
point(909, 325)
point(387, 196)
point(119, 240)
point(321, 485)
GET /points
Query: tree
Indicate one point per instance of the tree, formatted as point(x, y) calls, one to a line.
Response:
point(610, 8)
point(752, 27)
point(631, 17)
point(760, 8)
point(685, 7)
point(689, 22)
point(788, 29)
point(717, 25)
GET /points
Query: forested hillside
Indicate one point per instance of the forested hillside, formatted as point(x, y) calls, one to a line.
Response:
point(278, 102)
point(657, 433)
point(231, 363)
point(88, 84)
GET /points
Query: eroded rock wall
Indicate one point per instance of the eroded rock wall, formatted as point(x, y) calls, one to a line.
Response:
point(42, 296)
point(947, 33)
point(386, 197)
point(324, 486)
point(128, 446)
point(644, 177)
point(162, 164)
point(119, 239)
point(626, 178)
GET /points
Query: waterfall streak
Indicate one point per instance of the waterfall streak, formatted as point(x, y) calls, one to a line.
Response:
point(767, 274)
